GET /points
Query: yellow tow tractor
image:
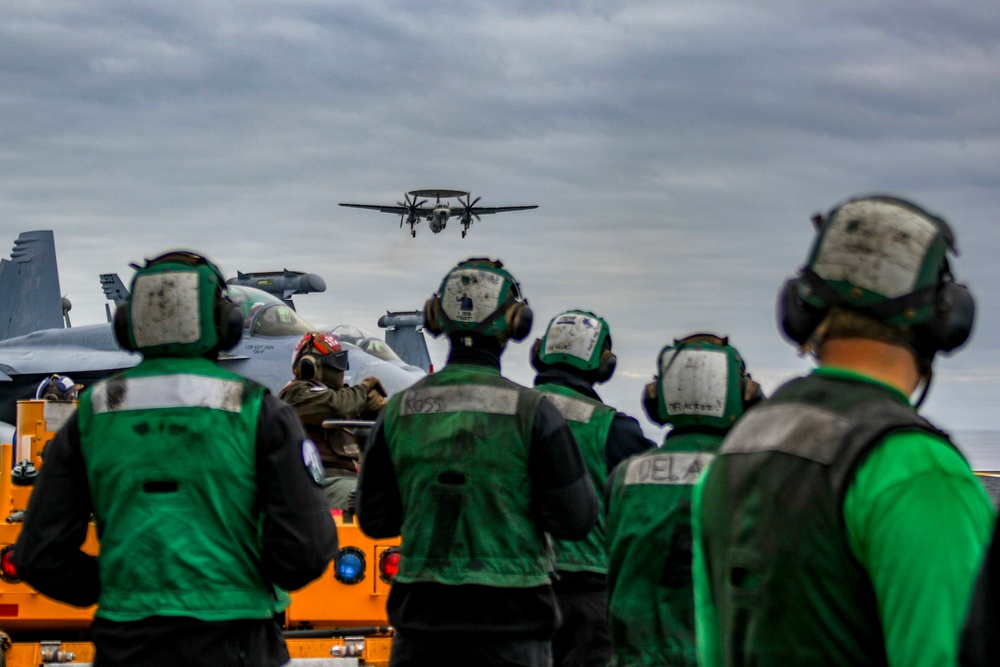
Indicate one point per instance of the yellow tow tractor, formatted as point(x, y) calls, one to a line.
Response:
point(339, 620)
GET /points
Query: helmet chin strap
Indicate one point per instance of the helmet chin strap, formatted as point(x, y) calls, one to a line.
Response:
point(926, 388)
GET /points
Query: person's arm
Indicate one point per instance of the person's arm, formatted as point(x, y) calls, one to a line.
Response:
point(315, 403)
point(706, 619)
point(379, 504)
point(563, 498)
point(300, 536)
point(625, 439)
point(919, 522)
point(47, 554)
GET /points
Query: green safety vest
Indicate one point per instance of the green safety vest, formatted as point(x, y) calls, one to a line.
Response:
point(786, 585)
point(459, 442)
point(650, 587)
point(590, 421)
point(170, 453)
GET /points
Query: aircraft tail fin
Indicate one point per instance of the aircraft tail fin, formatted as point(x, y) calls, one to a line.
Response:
point(404, 333)
point(30, 299)
point(114, 288)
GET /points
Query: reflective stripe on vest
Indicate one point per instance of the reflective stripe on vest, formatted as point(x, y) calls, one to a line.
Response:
point(680, 468)
point(468, 398)
point(167, 391)
point(572, 409)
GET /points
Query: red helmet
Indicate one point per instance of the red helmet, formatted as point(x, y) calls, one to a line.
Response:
point(315, 350)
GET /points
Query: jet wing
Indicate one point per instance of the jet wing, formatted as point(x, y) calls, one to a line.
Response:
point(398, 210)
point(457, 211)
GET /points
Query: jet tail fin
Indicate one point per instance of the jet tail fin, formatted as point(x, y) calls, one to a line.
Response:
point(405, 335)
point(114, 288)
point(30, 299)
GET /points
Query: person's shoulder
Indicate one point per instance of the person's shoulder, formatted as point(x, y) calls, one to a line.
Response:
point(913, 452)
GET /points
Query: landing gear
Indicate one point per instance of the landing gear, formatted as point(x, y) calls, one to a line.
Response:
point(463, 233)
point(413, 233)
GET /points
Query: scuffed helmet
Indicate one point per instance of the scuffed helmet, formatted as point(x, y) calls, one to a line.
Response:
point(580, 340)
point(479, 296)
point(57, 388)
point(315, 351)
point(701, 380)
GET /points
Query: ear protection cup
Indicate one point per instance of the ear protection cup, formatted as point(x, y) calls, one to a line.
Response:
point(120, 328)
point(752, 393)
point(307, 368)
point(536, 356)
point(651, 402)
point(796, 318)
point(432, 312)
point(228, 323)
point(519, 318)
point(606, 367)
point(951, 322)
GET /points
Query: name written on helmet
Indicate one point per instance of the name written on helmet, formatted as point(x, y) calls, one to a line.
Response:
point(695, 375)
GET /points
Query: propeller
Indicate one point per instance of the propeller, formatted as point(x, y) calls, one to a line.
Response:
point(469, 211)
point(411, 207)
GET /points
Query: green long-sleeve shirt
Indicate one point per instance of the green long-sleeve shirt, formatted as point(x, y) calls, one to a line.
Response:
point(918, 521)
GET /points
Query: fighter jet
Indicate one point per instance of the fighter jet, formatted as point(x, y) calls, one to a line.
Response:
point(30, 299)
point(411, 211)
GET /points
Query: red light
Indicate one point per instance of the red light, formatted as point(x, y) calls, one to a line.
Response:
point(388, 564)
point(8, 572)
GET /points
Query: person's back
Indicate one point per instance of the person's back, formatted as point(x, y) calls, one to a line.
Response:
point(472, 469)
point(700, 389)
point(836, 526)
point(204, 490)
point(573, 355)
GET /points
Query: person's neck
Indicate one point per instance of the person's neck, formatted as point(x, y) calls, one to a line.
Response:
point(892, 364)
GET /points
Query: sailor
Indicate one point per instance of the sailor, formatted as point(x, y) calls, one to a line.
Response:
point(318, 394)
point(700, 389)
point(472, 470)
point(837, 526)
point(206, 495)
point(572, 356)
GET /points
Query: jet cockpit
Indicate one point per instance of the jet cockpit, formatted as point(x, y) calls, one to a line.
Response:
point(267, 315)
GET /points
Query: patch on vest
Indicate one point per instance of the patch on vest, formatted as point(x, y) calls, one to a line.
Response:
point(695, 382)
point(573, 334)
point(312, 462)
point(571, 409)
point(459, 398)
point(875, 245)
point(471, 295)
point(673, 468)
point(164, 309)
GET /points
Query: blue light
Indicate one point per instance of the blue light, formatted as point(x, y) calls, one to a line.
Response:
point(350, 567)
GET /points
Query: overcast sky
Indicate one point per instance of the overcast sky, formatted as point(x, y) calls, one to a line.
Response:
point(676, 151)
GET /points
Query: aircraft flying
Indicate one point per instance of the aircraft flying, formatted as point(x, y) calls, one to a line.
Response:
point(411, 210)
point(88, 353)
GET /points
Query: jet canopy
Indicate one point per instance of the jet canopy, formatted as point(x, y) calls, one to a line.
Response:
point(366, 340)
point(267, 315)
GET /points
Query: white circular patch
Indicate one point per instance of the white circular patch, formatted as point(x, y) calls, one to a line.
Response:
point(471, 295)
point(312, 462)
point(574, 334)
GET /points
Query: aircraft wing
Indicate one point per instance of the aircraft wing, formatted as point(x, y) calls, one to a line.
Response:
point(457, 211)
point(398, 210)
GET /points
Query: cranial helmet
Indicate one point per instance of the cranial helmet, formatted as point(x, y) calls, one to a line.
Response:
point(178, 307)
point(580, 340)
point(701, 380)
point(57, 388)
point(885, 258)
point(316, 351)
point(479, 296)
